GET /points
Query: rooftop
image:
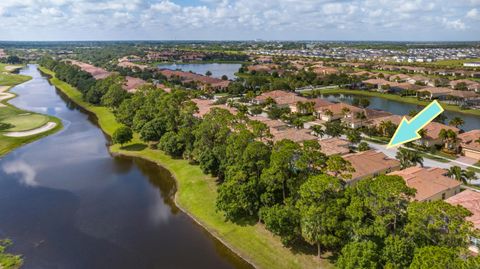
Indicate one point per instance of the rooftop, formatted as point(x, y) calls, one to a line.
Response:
point(471, 201)
point(369, 163)
point(332, 146)
point(427, 181)
point(468, 140)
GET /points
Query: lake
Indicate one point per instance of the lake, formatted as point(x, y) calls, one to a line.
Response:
point(217, 69)
point(67, 203)
point(471, 121)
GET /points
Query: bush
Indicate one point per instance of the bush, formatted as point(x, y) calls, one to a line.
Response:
point(122, 135)
point(5, 126)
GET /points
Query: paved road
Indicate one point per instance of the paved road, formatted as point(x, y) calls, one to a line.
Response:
point(391, 152)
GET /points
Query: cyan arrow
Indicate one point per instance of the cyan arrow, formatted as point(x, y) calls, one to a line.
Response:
point(408, 129)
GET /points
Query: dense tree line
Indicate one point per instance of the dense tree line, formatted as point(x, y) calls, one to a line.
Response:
point(295, 190)
point(107, 91)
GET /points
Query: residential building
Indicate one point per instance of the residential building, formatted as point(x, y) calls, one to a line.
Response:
point(294, 134)
point(281, 98)
point(334, 145)
point(370, 163)
point(470, 200)
point(431, 183)
point(96, 72)
point(131, 84)
point(432, 136)
point(470, 144)
point(472, 64)
point(337, 111)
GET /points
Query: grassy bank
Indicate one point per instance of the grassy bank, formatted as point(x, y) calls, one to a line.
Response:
point(393, 97)
point(21, 120)
point(196, 195)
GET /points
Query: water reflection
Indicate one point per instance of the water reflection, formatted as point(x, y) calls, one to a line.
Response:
point(25, 172)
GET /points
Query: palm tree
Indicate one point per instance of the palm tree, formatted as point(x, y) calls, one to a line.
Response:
point(457, 173)
point(449, 137)
point(423, 133)
point(387, 128)
point(301, 107)
point(318, 130)
point(457, 121)
point(408, 158)
point(345, 111)
point(361, 116)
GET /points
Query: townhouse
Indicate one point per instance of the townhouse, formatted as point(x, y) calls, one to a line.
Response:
point(470, 144)
point(337, 111)
point(370, 163)
point(431, 183)
point(334, 146)
point(470, 200)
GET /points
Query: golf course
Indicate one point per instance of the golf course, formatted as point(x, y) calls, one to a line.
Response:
point(17, 126)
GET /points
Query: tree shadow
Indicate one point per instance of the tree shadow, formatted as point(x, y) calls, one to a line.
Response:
point(134, 147)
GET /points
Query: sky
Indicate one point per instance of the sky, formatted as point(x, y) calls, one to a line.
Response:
point(390, 20)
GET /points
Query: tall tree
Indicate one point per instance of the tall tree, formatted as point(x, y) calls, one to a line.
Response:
point(359, 255)
point(321, 205)
point(338, 166)
point(438, 223)
point(378, 206)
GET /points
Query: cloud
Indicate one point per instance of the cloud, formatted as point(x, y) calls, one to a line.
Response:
point(239, 19)
point(454, 24)
point(473, 14)
point(26, 172)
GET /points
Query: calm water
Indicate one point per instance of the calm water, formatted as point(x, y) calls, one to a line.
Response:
point(217, 69)
point(471, 121)
point(67, 203)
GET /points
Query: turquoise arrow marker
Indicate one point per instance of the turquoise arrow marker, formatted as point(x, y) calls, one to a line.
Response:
point(408, 129)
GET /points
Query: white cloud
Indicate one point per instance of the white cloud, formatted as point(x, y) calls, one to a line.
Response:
point(26, 172)
point(243, 19)
point(166, 7)
point(473, 14)
point(454, 24)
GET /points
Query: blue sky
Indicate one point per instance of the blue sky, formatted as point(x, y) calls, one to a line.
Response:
point(417, 20)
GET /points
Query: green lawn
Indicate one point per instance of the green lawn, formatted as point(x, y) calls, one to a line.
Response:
point(21, 119)
point(4, 69)
point(12, 79)
point(454, 63)
point(394, 97)
point(25, 121)
point(196, 195)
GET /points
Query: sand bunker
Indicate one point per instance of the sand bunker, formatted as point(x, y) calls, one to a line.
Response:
point(47, 127)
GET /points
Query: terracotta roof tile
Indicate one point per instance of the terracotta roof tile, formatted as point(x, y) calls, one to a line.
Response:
point(427, 181)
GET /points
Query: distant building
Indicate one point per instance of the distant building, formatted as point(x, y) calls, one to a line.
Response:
point(472, 64)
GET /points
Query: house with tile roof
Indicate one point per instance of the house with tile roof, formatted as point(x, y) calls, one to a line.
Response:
point(370, 163)
point(470, 200)
point(334, 145)
point(470, 144)
point(431, 183)
point(337, 111)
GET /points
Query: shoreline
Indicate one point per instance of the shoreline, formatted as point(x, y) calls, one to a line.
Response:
point(408, 100)
point(265, 248)
point(22, 141)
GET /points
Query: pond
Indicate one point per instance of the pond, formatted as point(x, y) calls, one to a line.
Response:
point(471, 121)
point(217, 69)
point(67, 203)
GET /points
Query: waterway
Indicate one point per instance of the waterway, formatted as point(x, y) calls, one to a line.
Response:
point(67, 203)
point(471, 121)
point(217, 69)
